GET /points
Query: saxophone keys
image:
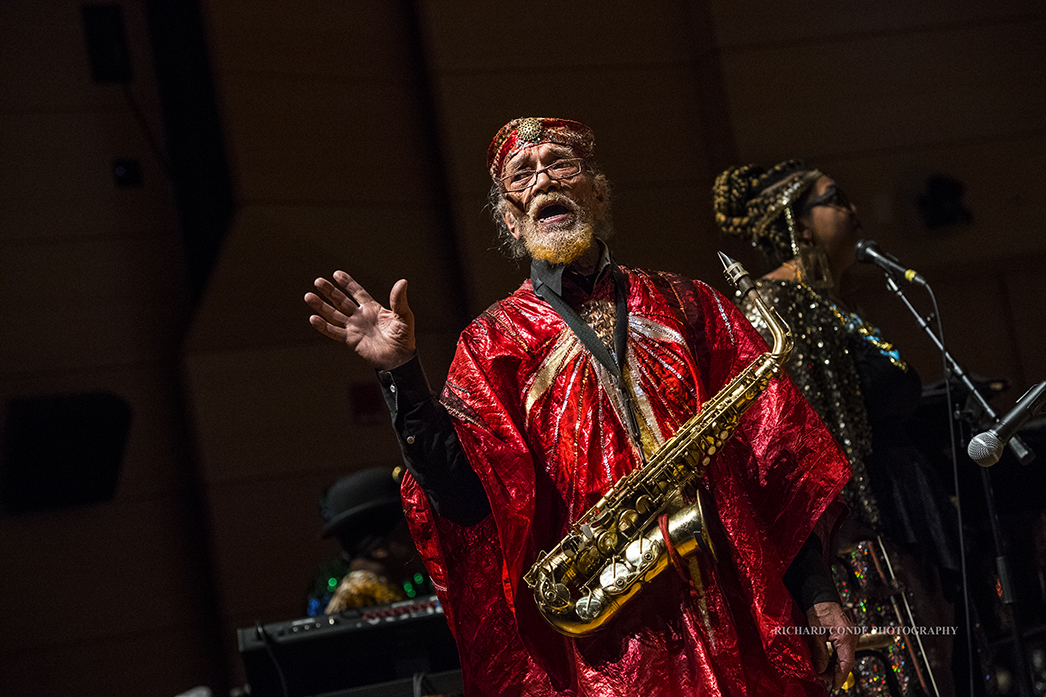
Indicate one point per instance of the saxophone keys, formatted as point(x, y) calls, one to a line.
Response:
point(644, 504)
point(554, 595)
point(589, 607)
point(571, 546)
point(695, 458)
point(642, 553)
point(628, 522)
point(680, 471)
point(588, 560)
point(606, 541)
point(604, 519)
point(616, 577)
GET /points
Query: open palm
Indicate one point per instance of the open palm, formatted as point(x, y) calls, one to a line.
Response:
point(384, 337)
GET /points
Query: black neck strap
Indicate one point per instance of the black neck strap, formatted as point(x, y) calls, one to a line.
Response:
point(588, 337)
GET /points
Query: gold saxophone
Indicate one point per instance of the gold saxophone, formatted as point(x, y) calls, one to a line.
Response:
point(616, 546)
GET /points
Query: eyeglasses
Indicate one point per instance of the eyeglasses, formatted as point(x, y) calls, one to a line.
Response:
point(523, 179)
point(831, 197)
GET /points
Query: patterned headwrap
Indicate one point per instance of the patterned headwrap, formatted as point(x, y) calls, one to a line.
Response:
point(749, 202)
point(518, 134)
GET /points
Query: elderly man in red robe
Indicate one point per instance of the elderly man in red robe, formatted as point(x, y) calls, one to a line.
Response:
point(557, 392)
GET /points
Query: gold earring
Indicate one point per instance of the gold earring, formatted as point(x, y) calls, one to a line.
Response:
point(814, 264)
point(811, 263)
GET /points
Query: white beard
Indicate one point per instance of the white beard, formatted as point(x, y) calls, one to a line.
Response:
point(557, 244)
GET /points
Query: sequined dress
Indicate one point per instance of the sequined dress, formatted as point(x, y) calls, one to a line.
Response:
point(866, 393)
point(858, 383)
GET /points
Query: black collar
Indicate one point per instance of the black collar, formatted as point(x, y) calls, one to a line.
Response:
point(547, 280)
point(550, 276)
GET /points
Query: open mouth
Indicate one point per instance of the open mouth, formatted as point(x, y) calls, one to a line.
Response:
point(552, 213)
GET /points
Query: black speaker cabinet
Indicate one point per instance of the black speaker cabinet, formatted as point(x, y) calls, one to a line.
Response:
point(61, 451)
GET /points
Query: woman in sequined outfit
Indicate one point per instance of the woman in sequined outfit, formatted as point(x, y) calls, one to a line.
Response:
point(858, 383)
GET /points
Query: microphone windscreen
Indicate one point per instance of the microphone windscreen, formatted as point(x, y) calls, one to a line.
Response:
point(985, 449)
point(861, 250)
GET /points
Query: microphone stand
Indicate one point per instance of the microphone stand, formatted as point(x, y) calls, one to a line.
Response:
point(1024, 455)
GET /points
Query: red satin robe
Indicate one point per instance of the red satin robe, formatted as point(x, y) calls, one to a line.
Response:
point(538, 422)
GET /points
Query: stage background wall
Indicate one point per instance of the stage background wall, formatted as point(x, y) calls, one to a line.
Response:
point(353, 134)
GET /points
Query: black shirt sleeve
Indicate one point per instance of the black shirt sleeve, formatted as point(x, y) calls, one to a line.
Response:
point(809, 579)
point(430, 446)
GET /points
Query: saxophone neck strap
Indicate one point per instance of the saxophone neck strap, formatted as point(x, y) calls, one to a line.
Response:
point(539, 272)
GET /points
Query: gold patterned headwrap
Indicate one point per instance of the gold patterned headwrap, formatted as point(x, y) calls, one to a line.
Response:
point(751, 202)
point(522, 133)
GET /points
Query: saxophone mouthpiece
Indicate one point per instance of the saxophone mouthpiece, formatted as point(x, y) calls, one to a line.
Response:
point(736, 274)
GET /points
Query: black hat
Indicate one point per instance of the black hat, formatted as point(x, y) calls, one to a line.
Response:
point(364, 504)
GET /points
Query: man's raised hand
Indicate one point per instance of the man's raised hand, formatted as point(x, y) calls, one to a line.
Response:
point(347, 313)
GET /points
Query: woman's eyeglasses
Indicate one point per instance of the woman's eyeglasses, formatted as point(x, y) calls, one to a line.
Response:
point(832, 196)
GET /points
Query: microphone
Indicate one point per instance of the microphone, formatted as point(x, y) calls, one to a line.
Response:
point(867, 251)
point(986, 448)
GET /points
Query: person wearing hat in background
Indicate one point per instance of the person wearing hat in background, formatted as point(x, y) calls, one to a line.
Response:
point(378, 564)
point(534, 426)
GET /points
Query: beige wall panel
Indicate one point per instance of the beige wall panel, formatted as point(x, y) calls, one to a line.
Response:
point(891, 91)
point(273, 255)
point(644, 119)
point(668, 228)
point(294, 139)
point(57, 179)
point(267, 533)
point(271, 412)
point(89, 303)
point(132, 565)
point(1001, 178)
point(503, 38)
point(490, 274)
point(155, 662)
point(1025, 288)
point(356, 40)
point(44, 65)
point(976, 325)
point(155, 451)
point(747, 24)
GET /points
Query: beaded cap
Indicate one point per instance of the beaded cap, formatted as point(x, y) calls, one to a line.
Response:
point(750, 201)
point(521, 133)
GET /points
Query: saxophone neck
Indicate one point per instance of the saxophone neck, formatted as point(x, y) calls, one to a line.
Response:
point(779, 331)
